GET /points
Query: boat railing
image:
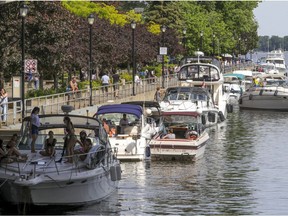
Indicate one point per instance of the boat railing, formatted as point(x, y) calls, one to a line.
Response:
point(93, 159)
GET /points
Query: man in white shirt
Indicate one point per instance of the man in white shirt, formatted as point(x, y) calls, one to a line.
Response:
point(105, 82)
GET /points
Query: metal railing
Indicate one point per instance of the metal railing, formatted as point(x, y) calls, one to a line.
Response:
point(51, 104)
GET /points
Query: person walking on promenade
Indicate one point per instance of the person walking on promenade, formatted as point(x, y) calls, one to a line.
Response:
point(3, 105)
point(116, 79)
point(157, 95)
point(73, 86)
point(34, 127)
point(105, 82)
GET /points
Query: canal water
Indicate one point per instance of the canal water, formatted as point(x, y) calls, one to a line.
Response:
point(244, 171)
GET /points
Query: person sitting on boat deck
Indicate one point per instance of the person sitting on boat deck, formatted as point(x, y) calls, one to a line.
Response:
point(49, 146)
point(12, 151)
point(3, 154)
point(191, 135)
point(86, 145)
point(112, 132)
point(123, 123)
point(170, 135)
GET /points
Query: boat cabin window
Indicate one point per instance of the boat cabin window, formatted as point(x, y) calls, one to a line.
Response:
point(199, 73)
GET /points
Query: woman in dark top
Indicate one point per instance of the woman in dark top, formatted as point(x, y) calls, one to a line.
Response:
point(49, 148)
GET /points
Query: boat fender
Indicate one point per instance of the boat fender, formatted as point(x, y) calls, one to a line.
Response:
point(203, 119)
point(221, 116)
point(147, 151)
point(118, 172)
point(130, 147)
point(261, 92)
point(250, 97)
point(276, 93)
point(113, 173)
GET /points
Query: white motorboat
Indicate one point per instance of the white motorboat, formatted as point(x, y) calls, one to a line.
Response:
point(208, 76)
point(271, 95)
point(129, 142)
point(192, 99)
point(235, 85)
point(189, 139)
point(278, 59)
point(45, 180)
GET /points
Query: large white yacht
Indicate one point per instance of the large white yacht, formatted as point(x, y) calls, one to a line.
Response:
point(277, 58)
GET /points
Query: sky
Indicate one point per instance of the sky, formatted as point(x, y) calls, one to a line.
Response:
point(272, 17)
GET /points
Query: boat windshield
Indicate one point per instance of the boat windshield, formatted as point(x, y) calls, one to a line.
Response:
point(199, 73)
point(114, 118)
point(171, 119)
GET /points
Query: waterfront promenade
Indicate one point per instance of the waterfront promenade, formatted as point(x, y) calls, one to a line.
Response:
point(51, 104)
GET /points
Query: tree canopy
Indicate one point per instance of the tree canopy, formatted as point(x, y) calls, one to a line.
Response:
point(57, 33)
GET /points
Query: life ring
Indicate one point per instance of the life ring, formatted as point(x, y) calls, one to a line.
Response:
point(193, 136)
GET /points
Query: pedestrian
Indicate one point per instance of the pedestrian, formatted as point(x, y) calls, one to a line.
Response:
point(3, 105)
point(105, 82)
point(34, 127)
point(116, 79)
point(137, 80)
point(157, 95)
point(73, 86)
point(36, 81)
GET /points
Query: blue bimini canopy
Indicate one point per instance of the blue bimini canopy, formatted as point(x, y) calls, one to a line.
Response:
point(120, 108)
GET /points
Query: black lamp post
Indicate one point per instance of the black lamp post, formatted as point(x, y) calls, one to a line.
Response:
point(23, 13)
point(201, 41)
point(213, 44)
point(239, 56)
point(133, 26)
point(163, 29)
point(90, 21)
point(184, 41)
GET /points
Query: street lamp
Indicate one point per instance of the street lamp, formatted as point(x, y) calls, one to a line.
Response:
point(201, 41)
point(184, 40)
point(239, 56)
point(163, 29)
point(23, 13)
point(213, 44)
point(90, 22)
point(133, 26)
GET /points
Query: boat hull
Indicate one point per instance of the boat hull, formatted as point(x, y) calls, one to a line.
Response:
point(178, 149)
point(69, 189)
point(128, 149)
point(265, 99)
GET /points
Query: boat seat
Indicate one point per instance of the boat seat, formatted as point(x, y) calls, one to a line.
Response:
point(131, 130)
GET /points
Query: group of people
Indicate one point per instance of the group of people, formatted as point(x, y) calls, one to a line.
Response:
point(49, 145)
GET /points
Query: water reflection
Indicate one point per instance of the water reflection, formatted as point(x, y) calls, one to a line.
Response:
point(243, 172)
